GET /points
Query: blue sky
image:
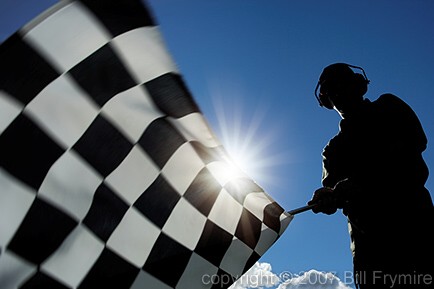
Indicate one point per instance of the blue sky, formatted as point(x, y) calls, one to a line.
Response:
point(252, 67)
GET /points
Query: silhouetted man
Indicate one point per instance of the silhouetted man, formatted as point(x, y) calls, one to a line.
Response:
point(373, 169)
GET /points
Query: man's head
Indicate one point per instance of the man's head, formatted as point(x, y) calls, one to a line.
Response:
point(341, 88)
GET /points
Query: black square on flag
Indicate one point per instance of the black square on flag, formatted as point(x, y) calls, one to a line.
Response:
point(213, 243)
point(203, 191)
point(27, 151)
point(272, 213)
point(23, 72)
point(105, 213)
point(167, 260)
point(158, 201)
point(42, 231)
point(103, 146)
point(102, 75)
point(110, 271)
point(120, 16)
point(248, 229)
point(160, 140)
point(171, 95)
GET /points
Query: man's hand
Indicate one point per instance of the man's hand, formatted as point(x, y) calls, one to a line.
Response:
point(328, 200)
point(325, 201)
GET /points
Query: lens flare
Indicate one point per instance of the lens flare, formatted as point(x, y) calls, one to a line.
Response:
point(245, 138)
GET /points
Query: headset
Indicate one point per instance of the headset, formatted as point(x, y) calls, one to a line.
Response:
point(358, 81)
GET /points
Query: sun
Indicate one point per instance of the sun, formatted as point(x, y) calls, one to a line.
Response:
point(247, 141)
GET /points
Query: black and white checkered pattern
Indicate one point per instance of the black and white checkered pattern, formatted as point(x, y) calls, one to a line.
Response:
point(109, 174)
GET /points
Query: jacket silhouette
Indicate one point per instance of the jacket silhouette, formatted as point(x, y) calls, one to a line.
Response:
point(373, 169)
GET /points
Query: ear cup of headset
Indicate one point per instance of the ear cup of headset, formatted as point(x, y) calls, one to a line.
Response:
point(360, 84)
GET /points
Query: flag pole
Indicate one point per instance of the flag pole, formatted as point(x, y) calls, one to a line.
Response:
point(301, 209)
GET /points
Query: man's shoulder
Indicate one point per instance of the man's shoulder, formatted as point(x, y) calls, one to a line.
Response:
point(400, 115)
point(389, 99)
point(391, 103)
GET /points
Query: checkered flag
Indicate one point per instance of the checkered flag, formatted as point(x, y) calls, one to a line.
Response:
point(109, 174)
